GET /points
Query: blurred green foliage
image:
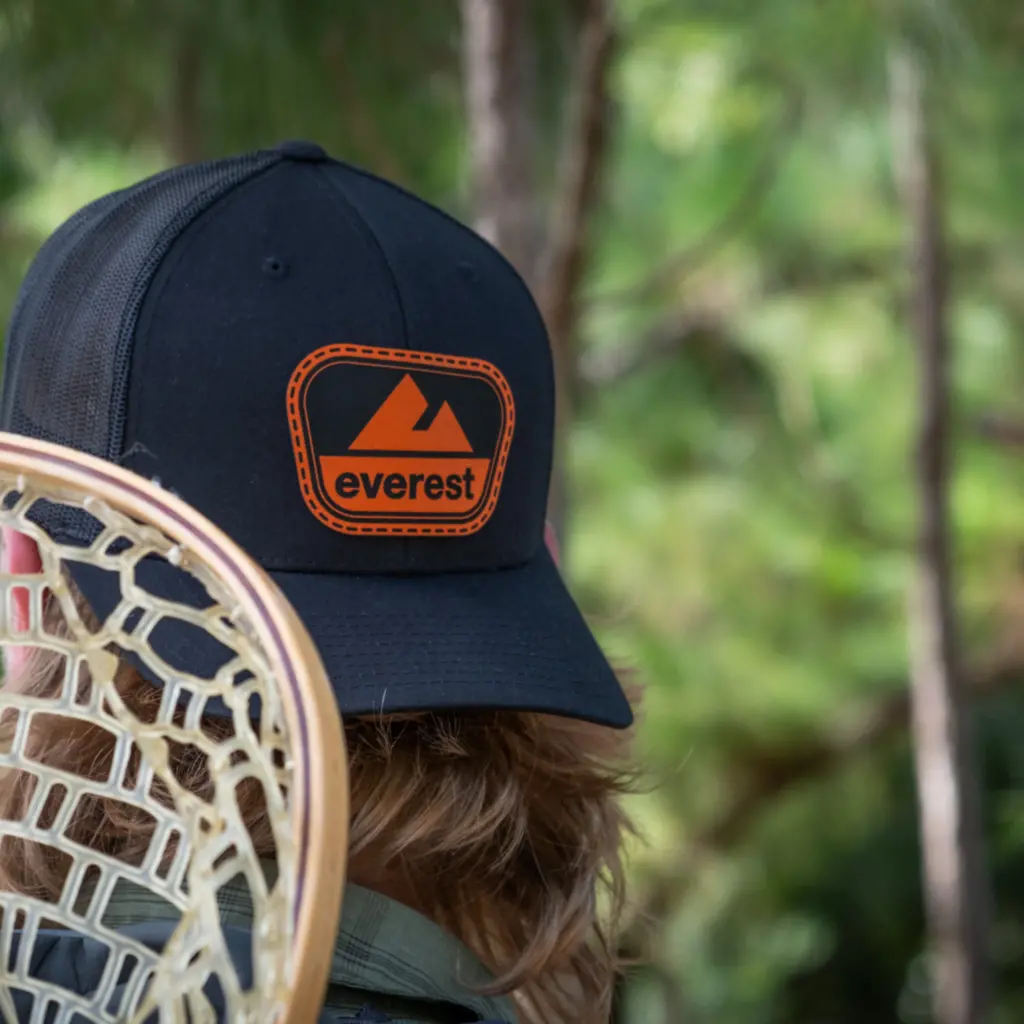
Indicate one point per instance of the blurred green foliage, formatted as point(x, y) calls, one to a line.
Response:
point(742, 513)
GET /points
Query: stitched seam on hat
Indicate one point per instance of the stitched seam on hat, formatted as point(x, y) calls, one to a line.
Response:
point(200, 223)
point(124, 345)
point(531, 301)
point(107, 205)
point(369, 176)
point(339, 196)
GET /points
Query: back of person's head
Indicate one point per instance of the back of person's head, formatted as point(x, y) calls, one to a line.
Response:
point(503, 827)
point(360, 392)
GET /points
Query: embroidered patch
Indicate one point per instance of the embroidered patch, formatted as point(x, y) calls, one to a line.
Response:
point(399, 443)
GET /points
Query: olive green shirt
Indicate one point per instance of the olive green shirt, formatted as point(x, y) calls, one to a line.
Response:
point(386, 957)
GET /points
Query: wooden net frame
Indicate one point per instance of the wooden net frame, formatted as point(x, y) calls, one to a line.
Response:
point(281, 738)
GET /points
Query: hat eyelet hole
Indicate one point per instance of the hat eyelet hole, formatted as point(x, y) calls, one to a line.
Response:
point(274, 267)
point(469, 272)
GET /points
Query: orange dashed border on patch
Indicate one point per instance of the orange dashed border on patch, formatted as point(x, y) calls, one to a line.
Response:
point(389, 357)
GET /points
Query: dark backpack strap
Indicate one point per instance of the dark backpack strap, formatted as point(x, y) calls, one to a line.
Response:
point(390, 1008)
point(370, 1016)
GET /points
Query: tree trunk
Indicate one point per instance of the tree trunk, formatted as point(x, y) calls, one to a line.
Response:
point(497, 62)
point(185, 129)
point(585, 141)
point(956, 888)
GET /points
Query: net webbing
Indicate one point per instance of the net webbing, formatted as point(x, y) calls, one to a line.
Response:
point(114, 793)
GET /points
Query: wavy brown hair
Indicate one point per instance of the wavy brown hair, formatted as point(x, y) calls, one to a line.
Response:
point(506, 827)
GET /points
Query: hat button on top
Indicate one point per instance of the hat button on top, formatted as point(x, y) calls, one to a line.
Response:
point(298, 149)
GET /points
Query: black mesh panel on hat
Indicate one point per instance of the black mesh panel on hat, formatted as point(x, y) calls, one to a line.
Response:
point(69, 342)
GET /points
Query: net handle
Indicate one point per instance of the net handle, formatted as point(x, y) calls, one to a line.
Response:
point(320, 811)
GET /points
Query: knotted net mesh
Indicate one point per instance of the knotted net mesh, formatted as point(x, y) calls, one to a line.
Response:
point(142, 800)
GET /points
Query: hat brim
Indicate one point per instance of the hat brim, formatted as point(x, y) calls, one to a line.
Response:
point(509, 639)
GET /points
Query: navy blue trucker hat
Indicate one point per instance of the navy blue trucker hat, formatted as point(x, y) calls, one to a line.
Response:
point(351, 384)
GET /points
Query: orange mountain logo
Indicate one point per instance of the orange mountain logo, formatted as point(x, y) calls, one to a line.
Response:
point(394, 425)
point(380, 448)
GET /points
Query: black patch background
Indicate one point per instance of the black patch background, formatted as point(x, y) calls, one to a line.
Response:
point(342, 398)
